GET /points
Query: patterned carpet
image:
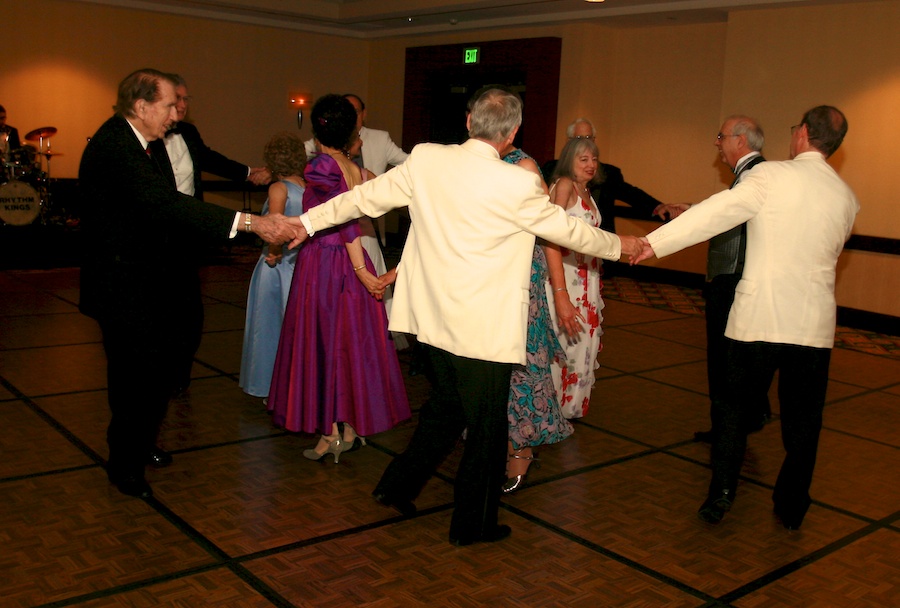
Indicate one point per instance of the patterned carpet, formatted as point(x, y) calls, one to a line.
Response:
point(689, 301)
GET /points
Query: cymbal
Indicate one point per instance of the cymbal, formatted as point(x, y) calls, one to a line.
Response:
point(48, 153)
point(39, 134)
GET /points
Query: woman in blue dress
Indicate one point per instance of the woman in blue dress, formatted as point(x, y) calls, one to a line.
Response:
point(270, 285)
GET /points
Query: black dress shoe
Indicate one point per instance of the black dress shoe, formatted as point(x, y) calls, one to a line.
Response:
point(406, 507)
point(159, 458)
point(133, 485)
point(492, 536)
point(715, 507)
point(703, 436)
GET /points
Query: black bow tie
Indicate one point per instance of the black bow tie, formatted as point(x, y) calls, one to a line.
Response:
point(173, 130)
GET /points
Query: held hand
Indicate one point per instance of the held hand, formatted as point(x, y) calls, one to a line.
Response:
point(568, 317)
point(370, 282)
point(646, 251)
point(276, 228)
point(631, 247)
point(273, 259)
point(388, 278)
point(286, 229)
point(670, 212)
point(259, 176)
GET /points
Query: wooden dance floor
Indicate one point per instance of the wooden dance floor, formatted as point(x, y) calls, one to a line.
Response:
point(608, 520)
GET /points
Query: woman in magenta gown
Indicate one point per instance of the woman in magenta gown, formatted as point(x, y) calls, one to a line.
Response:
point(336, 362)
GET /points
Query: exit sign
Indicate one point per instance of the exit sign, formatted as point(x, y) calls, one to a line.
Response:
point(472, 55)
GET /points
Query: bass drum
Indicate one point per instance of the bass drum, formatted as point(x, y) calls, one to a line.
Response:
point(19, 203)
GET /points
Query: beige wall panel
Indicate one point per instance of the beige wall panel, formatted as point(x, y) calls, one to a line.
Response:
point(847, 56)
point(658, 94)
point(64, 73)
point(863, 282)
point(783, 62)
point(665, 110)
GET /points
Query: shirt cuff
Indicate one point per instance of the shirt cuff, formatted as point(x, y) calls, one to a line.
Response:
point(304, 219)
point(235, 224)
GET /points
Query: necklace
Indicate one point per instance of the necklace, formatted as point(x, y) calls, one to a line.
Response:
point(344, 153)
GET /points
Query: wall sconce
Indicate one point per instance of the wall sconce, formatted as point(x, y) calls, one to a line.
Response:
point(300, 102)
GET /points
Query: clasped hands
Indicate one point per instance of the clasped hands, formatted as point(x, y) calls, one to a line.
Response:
point(636, 248)
point(376, 285)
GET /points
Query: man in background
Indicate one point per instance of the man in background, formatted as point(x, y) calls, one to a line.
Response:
point(611, 185)
point(10, 132)
point(189, 157)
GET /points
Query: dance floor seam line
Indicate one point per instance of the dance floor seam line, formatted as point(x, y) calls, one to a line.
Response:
point(608, 553)
point(624, 520)
point(797, 564)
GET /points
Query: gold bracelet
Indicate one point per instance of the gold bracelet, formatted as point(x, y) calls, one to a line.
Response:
point(358, 268)
point(558, 289)
point(247, 217)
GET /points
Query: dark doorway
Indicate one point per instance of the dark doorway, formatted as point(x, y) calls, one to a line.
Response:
point(439, 84)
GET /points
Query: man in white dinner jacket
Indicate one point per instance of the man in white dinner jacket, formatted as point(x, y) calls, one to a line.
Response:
point(799, 214)
point(462, 288)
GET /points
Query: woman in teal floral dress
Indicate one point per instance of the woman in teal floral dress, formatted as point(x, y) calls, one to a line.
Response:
point(534, 414)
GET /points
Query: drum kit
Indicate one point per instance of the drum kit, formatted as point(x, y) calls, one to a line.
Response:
point(24, 185)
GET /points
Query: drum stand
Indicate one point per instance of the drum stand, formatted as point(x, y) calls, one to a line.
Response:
point(41, 179)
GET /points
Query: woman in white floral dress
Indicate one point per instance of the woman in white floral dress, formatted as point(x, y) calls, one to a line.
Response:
point(575, 285)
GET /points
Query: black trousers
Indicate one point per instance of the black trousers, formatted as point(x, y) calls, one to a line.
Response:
point(719, 294)
point(145, 354)
point(467, 394)
point(802, 383)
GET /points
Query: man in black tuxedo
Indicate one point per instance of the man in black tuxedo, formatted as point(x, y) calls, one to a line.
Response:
point(189, 156)
point(739, 142)
point(137, 233)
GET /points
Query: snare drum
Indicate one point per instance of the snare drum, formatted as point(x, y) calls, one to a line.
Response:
point(19, 203)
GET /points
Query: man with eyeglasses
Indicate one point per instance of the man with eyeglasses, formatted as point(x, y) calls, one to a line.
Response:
point(799, 214)
point(739, 141)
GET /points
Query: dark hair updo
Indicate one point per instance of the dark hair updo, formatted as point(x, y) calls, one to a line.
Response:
point(333, 121)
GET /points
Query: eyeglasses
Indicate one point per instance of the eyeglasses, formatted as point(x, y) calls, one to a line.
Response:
point(795, 127)
point(582, 137)
point(721, 136)
point(184, 98)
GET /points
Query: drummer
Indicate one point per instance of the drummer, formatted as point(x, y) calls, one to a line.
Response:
point(11, 133)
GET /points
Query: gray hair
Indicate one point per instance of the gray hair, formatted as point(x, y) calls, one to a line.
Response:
point(565, 167)
point(570, 130)
point(495, 115)
point(749, 128)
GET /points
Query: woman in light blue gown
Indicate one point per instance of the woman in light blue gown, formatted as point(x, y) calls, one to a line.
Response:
point(270, 285)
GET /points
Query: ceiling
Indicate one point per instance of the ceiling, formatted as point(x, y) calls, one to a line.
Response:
point(385, 18)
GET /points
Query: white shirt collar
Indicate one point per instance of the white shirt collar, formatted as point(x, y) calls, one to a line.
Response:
point(743, 161)
point(140, 137)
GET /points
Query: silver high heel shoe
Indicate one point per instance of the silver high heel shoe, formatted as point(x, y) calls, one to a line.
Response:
point(515, 483)
point(334, 445)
